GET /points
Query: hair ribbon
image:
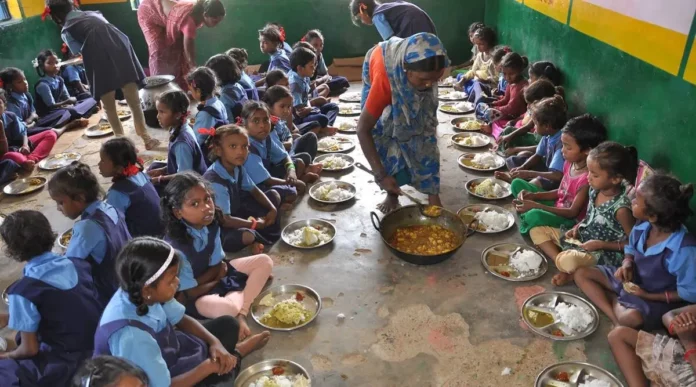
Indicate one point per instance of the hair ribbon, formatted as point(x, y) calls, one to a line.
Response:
point(46, 12)
point(282, 34)
point(162, 269)
point(239, 121)
point(2, 84)
point(207, 132)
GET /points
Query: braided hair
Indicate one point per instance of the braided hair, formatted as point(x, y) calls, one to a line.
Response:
point(41, 61)
point(122, 153)
point(177, 102)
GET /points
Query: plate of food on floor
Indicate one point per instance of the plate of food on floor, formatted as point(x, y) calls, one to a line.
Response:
point(348, 126)
point(451, 95)
point(457, 107)
point(471, 140)
point(124, 115)
point(308, 234)
point(349, 110)
point(447, 82)
point(100, 129)
point(488, 188)
point(335, 144)
point(487, 218)
point(25, 186)
point(486, 161)
point(274, 373)
point(64, 238)
point(286, 307)
point(352, 97)
point(514, 262)
point(332, 192)
point(59, 160)
point(576, 374)
point(560, 316)
point(335, 162)
point(467, 124)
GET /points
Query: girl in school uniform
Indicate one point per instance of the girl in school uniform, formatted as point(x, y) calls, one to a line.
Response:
point(54, 307)
point(209, 286)
point(658, 273)
point(21, 148)
point(145, 325)
point(74, 76)
point(101, 231)
point(271, 43)
point(250, 216)
point(241, 56)
point(232, 93)
point(184, 152)
point(52, 95)
point(109, 61)
point(132, 192)
point(109, 371)
point(321, 73)
point(211, 111)
point(479, 81)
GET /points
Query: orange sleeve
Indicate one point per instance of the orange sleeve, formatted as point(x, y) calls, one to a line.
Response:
point(380, 95)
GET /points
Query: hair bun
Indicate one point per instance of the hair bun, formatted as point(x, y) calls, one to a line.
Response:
point(686, 191)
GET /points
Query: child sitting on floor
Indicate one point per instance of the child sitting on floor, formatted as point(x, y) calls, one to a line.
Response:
point(132, 192)
point(544, 70)
point(21, 148)
point(101, 231)
point(463, 68)
point(109, 371)
point(277, 77)
point(52, 95)
point(498, 54)
point(54, 306)
point(210, 287)
point(184, 152)
point(545, 167)
point(306, 110)
point(562, 207)
point(212, 113)
point(74, 76)
point(658, 273)
point(321, 74)
point(250, 216)
point(271, 43)
point(232, 93)
point(478, 81)
point(145, 325)
point(241, 56)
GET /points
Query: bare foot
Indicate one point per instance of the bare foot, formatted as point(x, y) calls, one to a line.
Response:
point(390, 203)
point(310, 177)
point(244, 330)
point(257, 248)
point(253, 343)
point(562, 279)
point(60, 131)
point(82, 123)
point(504, 176)
point(152, 143)
point(28, 165)
point(315, 168)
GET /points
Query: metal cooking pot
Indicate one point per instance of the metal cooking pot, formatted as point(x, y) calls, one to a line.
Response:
point(411, 216)
point(153, 87)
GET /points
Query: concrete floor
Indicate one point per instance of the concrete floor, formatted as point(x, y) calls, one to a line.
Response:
point(450, 324)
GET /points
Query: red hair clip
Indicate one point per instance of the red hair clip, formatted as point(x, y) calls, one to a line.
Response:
point(131, 170)
point(207, 132)
point(239, 121)
point(46, 12)
point(282, 34)
point(274, 120)
point(304, 39)
point(64, 49)
point(506, 49)
point(2, 84)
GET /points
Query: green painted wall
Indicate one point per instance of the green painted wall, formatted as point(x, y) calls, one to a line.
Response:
point(640, 104)
point(20, 43)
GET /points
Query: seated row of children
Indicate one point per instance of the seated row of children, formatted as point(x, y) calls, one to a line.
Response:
point(617, 233)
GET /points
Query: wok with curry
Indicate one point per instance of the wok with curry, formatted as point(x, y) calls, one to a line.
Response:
point(424, 240)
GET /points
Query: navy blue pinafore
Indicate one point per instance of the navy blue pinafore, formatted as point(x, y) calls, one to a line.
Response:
point(144, 215)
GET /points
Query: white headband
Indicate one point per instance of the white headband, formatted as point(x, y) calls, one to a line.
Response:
point(162, 269)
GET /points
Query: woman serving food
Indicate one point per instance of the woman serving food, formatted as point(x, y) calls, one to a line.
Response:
point(397, 125)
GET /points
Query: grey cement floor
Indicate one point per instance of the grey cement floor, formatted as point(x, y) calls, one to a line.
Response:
point(450, 324)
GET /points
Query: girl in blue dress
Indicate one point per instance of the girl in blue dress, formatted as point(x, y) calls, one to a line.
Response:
point(271, 42)
point(144, 324)
point(109, 371)
point(241, 56)
point(212, 113)
point(132, 192)
point(321, 73)
point(101, 231)
point(232, 93)
point(54, 307)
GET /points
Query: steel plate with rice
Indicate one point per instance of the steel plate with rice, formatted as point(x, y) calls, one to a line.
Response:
point(457, 107)
point(5, 294)
point(64, 238)
point(352, 97)
point(471, 140)
point(573, 374)
point(560, 316)
point(447, 82)
point(335, 144)
point(481, 162)
point(100, 129)
point(250, 375)
point(489, 219)
point(514, 262)
point(488, 188)
point(124, 115)
point(349, 110)
point(24, 186)
point(59, 160)
point(467, 124)
point(309, 234)
point(286, 307)
point(349, 125)
point(335, 162)
point(451, 95)
point(332, 192)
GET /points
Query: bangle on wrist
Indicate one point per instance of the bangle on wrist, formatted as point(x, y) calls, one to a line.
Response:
point(688, 353)
point(254, 222)
point(667, 297)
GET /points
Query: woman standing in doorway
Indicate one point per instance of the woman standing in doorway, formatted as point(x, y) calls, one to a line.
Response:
point(170, 32)
point(399, 118)
point(397, 18)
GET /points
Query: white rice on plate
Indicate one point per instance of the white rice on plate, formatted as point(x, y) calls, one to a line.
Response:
point(334, 162)
point(332, 193)
point(526, 261)
point(489, 188)
point(493, 221)
point(595, 383)
point(308, 236)
point(574, 317)
point(486, 160)
point(282, 381)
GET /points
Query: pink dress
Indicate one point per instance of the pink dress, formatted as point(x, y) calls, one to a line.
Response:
point(512, 105)
point(570, 185)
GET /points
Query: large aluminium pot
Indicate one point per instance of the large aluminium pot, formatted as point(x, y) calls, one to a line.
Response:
point(411, 216)
point(153, 87)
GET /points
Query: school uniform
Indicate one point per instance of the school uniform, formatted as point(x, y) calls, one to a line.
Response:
point(300, 87)
point(211, 114)
point(233, 97)
point(57, 300)
point(279, 61)
point(151, 342)
point(233, 197)
point(137, 198)
point(265, 160)
point(52, 90)
point(249, 87)
point(304, 147)
point(8, 171)
point(72, 74)
point(98, 237)
point(22, 104)
point(198, 255)
point(40, 144)
point(184, 153)
point(336, 84)
point(401, 19)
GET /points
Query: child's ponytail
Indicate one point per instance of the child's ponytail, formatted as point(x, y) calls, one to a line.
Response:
point(667, 200)
point(122, 153)
point(617, 160)
point(514, 61)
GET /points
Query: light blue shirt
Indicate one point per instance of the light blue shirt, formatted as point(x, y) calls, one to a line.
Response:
point(183, 152)
point(287, 48)
point(200, 242)
point(50, 268)
point(88, 237)
point(247, 82)
point(681, 263)
point(206, 121)
point(299, 88)
point(383, 27)
point(283, 131)
point(74, 46)
point(137, 345)
point(70, 74)
point(279, 61)
point(254, 163)
point(230, 95)
point(222, 195)
point(43, 91)
point(555, 160)
point(120, 200)
point(22, 104)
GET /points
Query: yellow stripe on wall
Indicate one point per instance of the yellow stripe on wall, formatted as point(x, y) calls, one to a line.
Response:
point(33, 7)
point(15, 11)
point(661, 47)
point(555, 9)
